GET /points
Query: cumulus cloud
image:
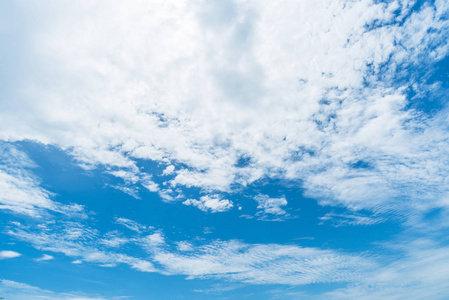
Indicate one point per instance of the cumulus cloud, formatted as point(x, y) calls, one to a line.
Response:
point(300, 102)
point(271, 206)
point(9, 254)
point(314, 93)
point(212, 203)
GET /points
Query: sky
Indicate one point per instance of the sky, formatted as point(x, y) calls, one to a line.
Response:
point(224, 149)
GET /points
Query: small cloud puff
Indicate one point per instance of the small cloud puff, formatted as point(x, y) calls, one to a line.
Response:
point(210, 203)
point(272, 206)
point(169, 170)
point(9, 254)
point(45, 257)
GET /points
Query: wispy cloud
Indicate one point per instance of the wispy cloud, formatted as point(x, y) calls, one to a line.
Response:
point(45, 257)
point(130, 224)
point(22, 291)
point(231, 260)
point(354, 219)
point(20, 190)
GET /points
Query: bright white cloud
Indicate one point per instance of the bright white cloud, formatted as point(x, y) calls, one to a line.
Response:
point(271, 206)
point(169, 170)
point(45, 257)
point(281, 84)
point(302, 91)
point(9, 254)
point(210, 203)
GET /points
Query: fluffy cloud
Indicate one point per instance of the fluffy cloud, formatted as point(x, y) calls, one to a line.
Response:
point(9, 254)
point(271, 206)
point(319, 94)
point(301, 91)
point(210, 203)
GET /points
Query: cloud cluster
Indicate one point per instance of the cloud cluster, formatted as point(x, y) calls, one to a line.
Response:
point(328, 95)
point(289, 90)
point(271, 206)
point(210, 203)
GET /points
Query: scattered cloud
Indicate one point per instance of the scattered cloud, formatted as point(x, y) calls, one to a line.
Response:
point(326, 96)
point(332, 118)
point(271, 206)
point(231, 260)
point(355, 219)
point(45, 257)
point(264, 264)
point(9, 254)
point(20, 190)
point(212, 203)
point(130, 224)
point(22, 291)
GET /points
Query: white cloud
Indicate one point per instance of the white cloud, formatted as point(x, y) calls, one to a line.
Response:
point(45, 257)
point(127, 176)
point(303, 91)
point(231, 260)
point(263, 264)
point(281, 84)
point(350, 219)
point(78, 241)
point(212, 203)
point(130, 224)
point(9, 254)
point(113, 239)
point(420, 273)
point(153, 240)
point(184, 246)
point(22, 291)
point(271, 206)
point(169, 170)
point(20, 190)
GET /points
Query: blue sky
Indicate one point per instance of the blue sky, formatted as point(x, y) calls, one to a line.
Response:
point(224, 149)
